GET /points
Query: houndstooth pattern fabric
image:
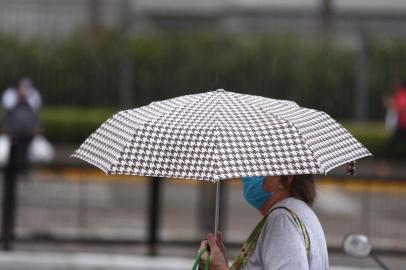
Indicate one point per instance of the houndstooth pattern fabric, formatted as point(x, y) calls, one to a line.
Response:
point(103, 147)
point(331, 143)
point(220, 135)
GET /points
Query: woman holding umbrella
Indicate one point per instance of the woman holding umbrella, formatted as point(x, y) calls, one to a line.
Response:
point(220, 135)
point(288, 237)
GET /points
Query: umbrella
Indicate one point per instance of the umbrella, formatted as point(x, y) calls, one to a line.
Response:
point(220, 135)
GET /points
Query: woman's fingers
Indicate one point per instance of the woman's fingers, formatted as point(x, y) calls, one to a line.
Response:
point(218, 258)
point(203, 245)
point(203, 257)
point(219, 238)
point(211, 240)
point(220, 244)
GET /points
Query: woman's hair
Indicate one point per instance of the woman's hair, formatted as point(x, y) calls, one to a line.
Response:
point(302, 187)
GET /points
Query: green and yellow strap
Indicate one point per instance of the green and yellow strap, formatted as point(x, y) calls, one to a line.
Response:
point(302, 228)
point(241, 260)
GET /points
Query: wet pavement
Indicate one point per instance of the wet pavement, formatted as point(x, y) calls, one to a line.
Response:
point(80, 202)
point(92, 261)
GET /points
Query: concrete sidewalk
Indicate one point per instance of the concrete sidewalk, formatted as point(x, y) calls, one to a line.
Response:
point(21, 260)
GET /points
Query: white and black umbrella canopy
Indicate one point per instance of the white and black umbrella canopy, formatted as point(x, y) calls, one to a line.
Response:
point(220, 135)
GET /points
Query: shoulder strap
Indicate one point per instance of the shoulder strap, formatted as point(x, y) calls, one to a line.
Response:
point(300, 225)
point(249, 245)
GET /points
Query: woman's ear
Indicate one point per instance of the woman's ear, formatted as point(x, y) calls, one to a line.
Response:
point(271, 183)
point(284, 184)
point(290, 179)
point(281, 184)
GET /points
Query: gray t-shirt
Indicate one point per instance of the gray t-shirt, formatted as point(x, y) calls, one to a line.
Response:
point(281, 244)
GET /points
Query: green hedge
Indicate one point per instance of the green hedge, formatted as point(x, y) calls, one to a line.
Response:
point(372, 134)
point(74, 125)
point(80, 71)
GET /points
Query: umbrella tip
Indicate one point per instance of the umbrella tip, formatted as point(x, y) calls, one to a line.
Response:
point(351, 168)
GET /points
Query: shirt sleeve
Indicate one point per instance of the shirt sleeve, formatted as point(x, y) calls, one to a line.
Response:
point(400, 102)
point(282, 246)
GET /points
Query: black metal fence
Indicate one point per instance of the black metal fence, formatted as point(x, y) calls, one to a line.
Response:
point(72, 206)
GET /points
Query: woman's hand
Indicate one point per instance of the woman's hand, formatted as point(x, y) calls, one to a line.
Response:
point(220, 244)
point(217, 251)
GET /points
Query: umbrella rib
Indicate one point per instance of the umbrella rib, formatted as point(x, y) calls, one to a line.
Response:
point(90, 161)
point(216, 139)
point(346, 161)
point(197, 98)
point(100, 155)
point(298, 132)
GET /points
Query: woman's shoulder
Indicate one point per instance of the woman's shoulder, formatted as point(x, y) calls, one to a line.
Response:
point(280, 215)
point(289, 207)
point(282, 221)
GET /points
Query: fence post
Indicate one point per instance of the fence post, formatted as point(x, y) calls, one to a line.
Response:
point(361, 86)
point(9, 203)
point(82, 215)
point(326, 17)
point(154, 214)
point(94, 13)
point(126, 87)
point(366, 209)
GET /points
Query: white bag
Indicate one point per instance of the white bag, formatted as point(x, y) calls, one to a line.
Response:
point(5, 145)
point(391, 120)
point(40, 150)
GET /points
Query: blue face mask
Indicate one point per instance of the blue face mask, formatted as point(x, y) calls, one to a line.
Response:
point(253, 191)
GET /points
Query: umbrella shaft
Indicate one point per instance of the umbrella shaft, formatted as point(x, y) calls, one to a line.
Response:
point(217, 210)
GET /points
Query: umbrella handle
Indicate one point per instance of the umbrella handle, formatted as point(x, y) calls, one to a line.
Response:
point(217, 210)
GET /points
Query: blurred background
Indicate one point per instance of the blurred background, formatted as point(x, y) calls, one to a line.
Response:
point(83, 60)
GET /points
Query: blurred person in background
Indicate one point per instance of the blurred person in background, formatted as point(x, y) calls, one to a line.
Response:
point(289, 236)
point(398, 104)
point(391, 117)
point(21, 124)
point(10, 96)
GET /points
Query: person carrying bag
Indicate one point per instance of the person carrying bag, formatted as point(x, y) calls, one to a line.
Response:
point(289, 236)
